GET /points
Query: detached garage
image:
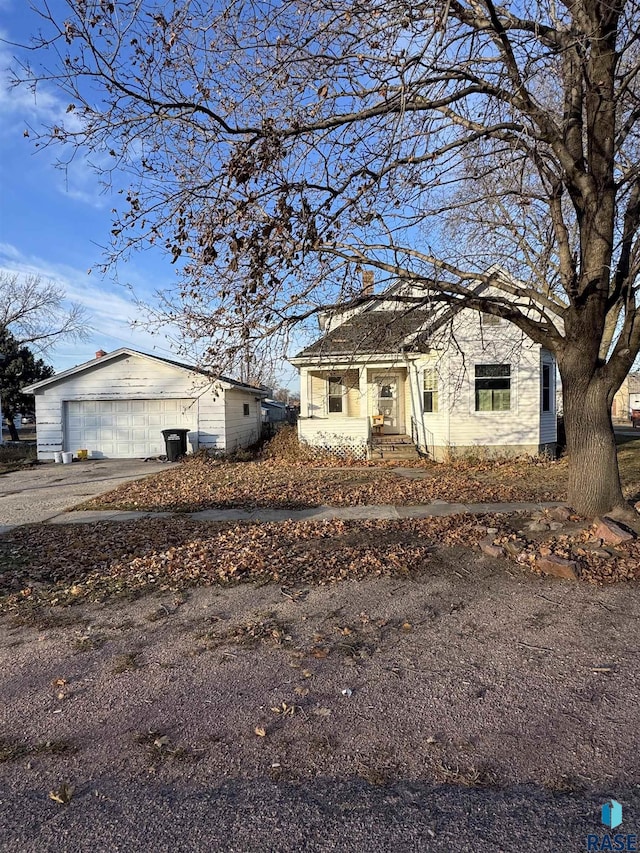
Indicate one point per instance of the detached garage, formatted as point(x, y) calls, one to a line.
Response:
point(117, 405)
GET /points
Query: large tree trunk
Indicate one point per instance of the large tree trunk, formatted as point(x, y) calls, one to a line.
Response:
point(594, 478)
point(13, 432)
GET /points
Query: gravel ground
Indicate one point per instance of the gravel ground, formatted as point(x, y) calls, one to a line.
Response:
point(345, 816)
point(490, 707)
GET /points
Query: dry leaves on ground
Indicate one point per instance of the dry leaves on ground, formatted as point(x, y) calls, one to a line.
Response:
point(201, 483)
point(62, 565)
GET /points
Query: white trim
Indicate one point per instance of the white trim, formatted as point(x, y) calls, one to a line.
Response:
point(226, 384)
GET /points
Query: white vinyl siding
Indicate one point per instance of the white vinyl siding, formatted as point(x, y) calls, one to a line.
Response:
point(241, 430)
point(338, 432)
point(509, 420)
point(459, 425)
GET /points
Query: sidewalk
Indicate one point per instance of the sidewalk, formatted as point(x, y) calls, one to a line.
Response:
point(320, 513)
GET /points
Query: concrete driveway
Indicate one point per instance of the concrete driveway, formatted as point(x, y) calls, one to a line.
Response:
point(44, 491)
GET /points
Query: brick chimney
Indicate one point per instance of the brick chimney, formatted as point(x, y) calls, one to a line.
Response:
point(100, 353)
point(367, 282)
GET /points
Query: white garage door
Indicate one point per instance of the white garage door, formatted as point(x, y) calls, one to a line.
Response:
point(125, 429)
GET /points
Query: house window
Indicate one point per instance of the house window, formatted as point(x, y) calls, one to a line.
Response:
point(335, 393)
point(546, 388)
point(489, 320)
point(430, 390)
point(246, 410)
point(493, 387)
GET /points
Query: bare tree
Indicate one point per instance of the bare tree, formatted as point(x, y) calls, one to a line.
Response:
point(275, 150)
point(36, 314)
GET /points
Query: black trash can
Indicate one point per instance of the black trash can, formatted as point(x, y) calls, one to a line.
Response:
point(175, 442)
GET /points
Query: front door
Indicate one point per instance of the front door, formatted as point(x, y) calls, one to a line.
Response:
point(386, 403)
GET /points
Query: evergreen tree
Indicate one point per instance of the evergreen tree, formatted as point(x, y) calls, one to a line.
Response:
point(18, 368)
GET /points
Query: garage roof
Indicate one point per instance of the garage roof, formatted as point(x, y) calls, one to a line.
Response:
point(112, 356)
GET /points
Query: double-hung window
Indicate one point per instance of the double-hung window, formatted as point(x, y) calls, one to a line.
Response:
point(493, 387)
point(489, 320)
point(335, 394)
point(430, 390)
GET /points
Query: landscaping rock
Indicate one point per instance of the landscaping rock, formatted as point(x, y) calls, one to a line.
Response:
point(537, 526)
point(560, 513)
point(612, 533)
point(596, 549)
point(488, 547)
point(513, 547)
point(558, 567)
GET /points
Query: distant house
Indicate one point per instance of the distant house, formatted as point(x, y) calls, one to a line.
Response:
point(627, 398)
point(273, 411)
point(116, 406)
point(449, 382)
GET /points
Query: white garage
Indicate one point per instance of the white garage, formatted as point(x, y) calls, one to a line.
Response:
point(116, 406)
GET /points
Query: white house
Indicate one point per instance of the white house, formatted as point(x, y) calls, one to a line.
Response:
point(116, 406)
point(449, 382)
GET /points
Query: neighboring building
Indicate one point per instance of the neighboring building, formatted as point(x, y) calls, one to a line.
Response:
point(627, 398)
point(116, 406)
point(274, 412)
point(450, 382)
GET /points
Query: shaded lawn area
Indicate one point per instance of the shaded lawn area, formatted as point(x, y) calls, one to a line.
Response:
point(201, 483)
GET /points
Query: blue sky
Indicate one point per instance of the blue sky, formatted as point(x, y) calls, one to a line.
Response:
point(54, 224)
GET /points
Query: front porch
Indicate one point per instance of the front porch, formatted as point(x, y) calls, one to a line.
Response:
point(338, 406)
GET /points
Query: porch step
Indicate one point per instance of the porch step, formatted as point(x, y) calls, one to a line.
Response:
point(395, 455)
point(393, 447)
point(386, 440)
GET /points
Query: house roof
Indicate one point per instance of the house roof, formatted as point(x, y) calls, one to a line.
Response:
point(373, 332)
point(112, 356)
